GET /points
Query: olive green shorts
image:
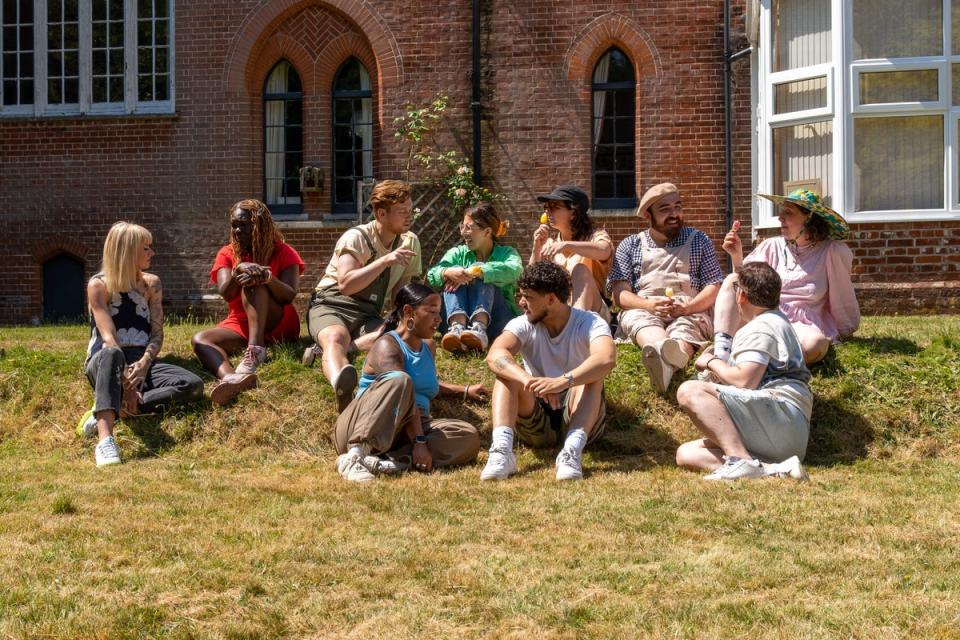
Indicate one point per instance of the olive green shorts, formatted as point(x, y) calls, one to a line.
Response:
point(547, 427)
point(359, 318)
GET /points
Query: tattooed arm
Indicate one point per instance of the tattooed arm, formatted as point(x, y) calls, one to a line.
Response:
point(384, 356)
point(155, 304)
point(501, 358)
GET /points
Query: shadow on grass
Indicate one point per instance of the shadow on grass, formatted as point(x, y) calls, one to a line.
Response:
point(885, 345)
point(837, 435)
point(154, 441)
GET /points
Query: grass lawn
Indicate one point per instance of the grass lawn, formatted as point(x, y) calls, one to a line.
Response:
point(232, 523)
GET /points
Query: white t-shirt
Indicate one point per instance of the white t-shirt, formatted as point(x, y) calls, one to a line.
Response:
point(551, 357)
point(769, 340)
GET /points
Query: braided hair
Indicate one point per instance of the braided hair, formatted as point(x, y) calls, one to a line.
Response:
point(265, 233)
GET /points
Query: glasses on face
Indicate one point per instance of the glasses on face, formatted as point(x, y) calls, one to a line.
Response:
point(554, 205)
point(468, 228)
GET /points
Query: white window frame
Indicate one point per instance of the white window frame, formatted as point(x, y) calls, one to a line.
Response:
point(843, 82)
point(85, 105)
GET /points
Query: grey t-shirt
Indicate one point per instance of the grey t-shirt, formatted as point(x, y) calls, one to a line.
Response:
point(770, 333)
point(551, 357)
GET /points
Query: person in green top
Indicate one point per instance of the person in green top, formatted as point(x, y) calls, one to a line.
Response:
point(479, 282)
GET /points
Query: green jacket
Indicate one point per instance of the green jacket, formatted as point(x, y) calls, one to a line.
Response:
point(502, 269)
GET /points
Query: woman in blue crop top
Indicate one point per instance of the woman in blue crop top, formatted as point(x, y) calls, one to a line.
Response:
point(389, 420)
point(126, 333)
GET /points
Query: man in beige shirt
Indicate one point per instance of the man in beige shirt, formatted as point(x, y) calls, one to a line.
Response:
point(370, 263)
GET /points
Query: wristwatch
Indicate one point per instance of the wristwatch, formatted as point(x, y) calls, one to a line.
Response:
point(420, 439)
point(569, 377)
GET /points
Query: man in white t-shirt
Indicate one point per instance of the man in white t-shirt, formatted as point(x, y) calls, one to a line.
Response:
point(752, 405)
point(558, 393)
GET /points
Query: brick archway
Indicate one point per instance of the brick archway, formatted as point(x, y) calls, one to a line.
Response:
point(247, 46)
point(594, 39)
point(52, 246)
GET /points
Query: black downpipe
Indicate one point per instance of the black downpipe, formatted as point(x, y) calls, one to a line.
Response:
point(728, 58)
point(475, 103)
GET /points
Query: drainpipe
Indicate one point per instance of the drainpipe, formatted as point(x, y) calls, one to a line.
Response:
point(728, 57)
point(475, 103)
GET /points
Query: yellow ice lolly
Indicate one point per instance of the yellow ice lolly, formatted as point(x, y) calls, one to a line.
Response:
point(544, 219)
point(475, 271)
point(668, 292)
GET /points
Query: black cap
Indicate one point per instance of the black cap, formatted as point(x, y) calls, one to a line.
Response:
point(569, 193)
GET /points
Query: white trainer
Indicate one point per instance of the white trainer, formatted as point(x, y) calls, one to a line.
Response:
point(253, 357)
point(569, 466)
point(734, 468)
point(87, 427)
point(451, 339)
point(475, 338)
point(501, 464)
point(673, 354)
point(352, 468)
point(384, 466)
point(789, 468)
point(659, 371)
point(107, 452)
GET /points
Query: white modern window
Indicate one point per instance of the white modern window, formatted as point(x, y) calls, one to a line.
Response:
point(71, 57)
point(860, 99)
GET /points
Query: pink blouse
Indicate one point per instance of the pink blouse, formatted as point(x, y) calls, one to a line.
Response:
point(817, 289)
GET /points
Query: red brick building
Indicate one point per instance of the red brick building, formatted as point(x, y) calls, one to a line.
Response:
point(167, 112)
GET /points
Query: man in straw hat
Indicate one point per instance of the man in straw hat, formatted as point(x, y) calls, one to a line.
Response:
point(665, 280)
point(756, 410)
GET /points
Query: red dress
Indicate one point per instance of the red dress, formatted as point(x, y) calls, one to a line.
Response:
point(283, 257)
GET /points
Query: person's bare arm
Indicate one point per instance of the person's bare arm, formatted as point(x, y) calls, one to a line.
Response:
point(283, 289)
point(600, 250)
point(501, 358)
point(743, 376)
point(227, 285)
point(155, 304)
point(699, 303)
point(600, 362)
point(353, 277)
point(627, 299)
point(97, 297)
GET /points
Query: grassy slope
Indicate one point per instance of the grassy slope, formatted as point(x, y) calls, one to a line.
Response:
point(232, 523)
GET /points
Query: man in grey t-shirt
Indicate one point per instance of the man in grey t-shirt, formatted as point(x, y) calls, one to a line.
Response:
point(757, 403)
point(558, 393)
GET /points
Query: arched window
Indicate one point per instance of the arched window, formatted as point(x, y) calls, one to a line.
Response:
point(352, 134)
point(614, 122)
point(283, 140)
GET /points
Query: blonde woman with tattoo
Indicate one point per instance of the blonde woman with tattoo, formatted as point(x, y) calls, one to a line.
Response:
point(126, 320)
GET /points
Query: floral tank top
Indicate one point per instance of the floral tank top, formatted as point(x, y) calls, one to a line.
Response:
point(131, 318)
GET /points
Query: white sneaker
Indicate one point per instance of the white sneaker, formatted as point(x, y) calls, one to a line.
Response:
point(501, 464)
point(344, 385)
point(734, 468)
point(107, 452)
point(475, 338)
point(789, 468)
point(673, 354)
point(384, 466)
point(253, 357)
point(310, 354)
point(353, 469)
point(451, 339)
point(231, 386)
point(569, 466)
point(87, 427)
point(659, 371)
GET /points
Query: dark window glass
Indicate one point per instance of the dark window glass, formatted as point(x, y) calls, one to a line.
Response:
point(352, 133)
point(614, 132)
point(283, 139)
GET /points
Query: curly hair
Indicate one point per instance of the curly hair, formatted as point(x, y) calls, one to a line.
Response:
point(546, 277)
point(580, 223)
point(761, 284)
point(817, 228)
point(265, 234)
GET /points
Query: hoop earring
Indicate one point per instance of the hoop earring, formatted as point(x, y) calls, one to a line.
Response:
point(409, 324)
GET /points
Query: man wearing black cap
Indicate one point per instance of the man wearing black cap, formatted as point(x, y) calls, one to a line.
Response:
point(566, 237)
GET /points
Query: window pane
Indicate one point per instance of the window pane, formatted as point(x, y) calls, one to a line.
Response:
point(116, 89)
point(955, 27)
point(344, 190)
point(99, 89)
point(897, 28)
point(804, 152)
point(348, 78)
point(342, 111)
point(625, 159)
point(603, 186)
point(9, 92)
point(800, 95)
point(899, 86)
point(801, 33)
point(625, 186)
point(898, 163)
point(604, 158)
point(614, 66)
point(99, 34)
point(955, 72)
point(162, 84)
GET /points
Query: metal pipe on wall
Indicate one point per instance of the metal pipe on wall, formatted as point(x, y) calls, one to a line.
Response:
point(475, 104)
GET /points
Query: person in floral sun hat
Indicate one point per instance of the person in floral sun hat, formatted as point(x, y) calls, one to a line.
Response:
point(814, 263)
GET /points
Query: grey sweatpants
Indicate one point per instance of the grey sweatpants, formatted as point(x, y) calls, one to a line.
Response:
point(378, 418)
point(164, 385)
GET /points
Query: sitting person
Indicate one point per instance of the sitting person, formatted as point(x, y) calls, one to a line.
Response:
point(814, 264)
point(389, 420)
point(370, 263)
point(479, 282)
point(557, 396)
point(258, 274)
point(665, 280)
point(756, 410)
point(583, 251)
point(126, 319)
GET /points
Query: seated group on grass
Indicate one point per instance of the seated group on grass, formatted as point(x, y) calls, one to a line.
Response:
point(778, 312)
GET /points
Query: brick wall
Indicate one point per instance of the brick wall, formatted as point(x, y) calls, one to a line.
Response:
point(64, 181)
